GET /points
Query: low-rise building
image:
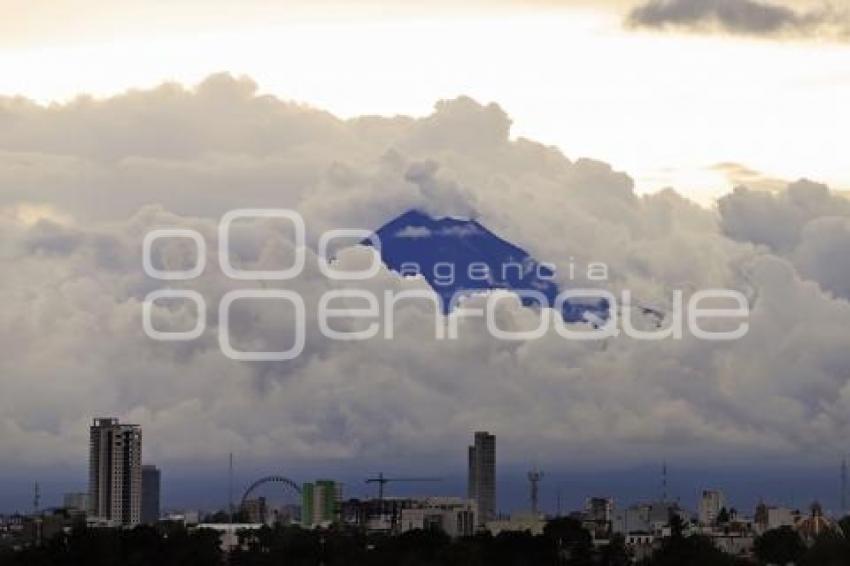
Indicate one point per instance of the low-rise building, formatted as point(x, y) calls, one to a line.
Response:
point(533, 524)
point(597, 517)
point(229, 532)
point(451, 515)
point(377, 515)
point(816, 524)
point(646, 518)
point(769, 517)
point(736, 544)
point(187, 518)
point(76, 502)
point(254, 510)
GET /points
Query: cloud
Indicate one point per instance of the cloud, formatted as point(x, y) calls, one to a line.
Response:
point(741, 17)
point(741, 175)
point(777, 219)
point(413, 232)
point(804, 223)
point(822, 253)
point(82, 183)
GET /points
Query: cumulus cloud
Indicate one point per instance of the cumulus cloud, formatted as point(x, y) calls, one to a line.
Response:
point(804, 223)
point(822, 253)
point(742, 17)
point(777, 219)
point(82, 183)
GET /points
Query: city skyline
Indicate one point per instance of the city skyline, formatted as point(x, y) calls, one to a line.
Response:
point(569, 489)
point(124, 494)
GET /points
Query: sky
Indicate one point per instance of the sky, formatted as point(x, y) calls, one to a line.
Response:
point(597, 79)
point(612, 132)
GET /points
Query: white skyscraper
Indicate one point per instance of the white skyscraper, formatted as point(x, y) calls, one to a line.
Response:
point(115, 472)
point(710, 504)
point(482, 476)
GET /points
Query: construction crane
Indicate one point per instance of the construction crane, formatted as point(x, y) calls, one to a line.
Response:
point(382, 481)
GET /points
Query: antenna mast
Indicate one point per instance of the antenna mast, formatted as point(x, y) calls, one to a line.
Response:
point(844, 486)
point(535, 476)
point(230, 488)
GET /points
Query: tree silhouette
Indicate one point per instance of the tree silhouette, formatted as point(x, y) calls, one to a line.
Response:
point(779, 546)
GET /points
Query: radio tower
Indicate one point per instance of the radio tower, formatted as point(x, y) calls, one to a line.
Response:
point(844, 486)
point(664, 481)
point(534, 478)
point(230, 507)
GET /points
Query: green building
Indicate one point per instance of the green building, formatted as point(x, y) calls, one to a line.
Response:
point(320, 502)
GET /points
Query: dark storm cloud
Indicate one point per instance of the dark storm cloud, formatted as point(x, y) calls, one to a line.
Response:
point(740, 17)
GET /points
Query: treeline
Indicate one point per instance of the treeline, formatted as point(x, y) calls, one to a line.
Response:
point(563, 543)
point(141, 546)
point(781, 547)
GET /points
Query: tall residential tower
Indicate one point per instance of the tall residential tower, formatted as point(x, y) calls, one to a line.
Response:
point(320, 503)
point(151, 478)
point(710, 505)
point(482, 476)
point(115, 472)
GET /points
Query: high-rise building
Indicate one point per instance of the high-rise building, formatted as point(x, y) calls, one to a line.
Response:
point(710, 504)
point(151, 478)
point(115, 472)
point(482, 476)
point(320, 502)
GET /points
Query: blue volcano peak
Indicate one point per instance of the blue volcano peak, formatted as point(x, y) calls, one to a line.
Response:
point(460, 256)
